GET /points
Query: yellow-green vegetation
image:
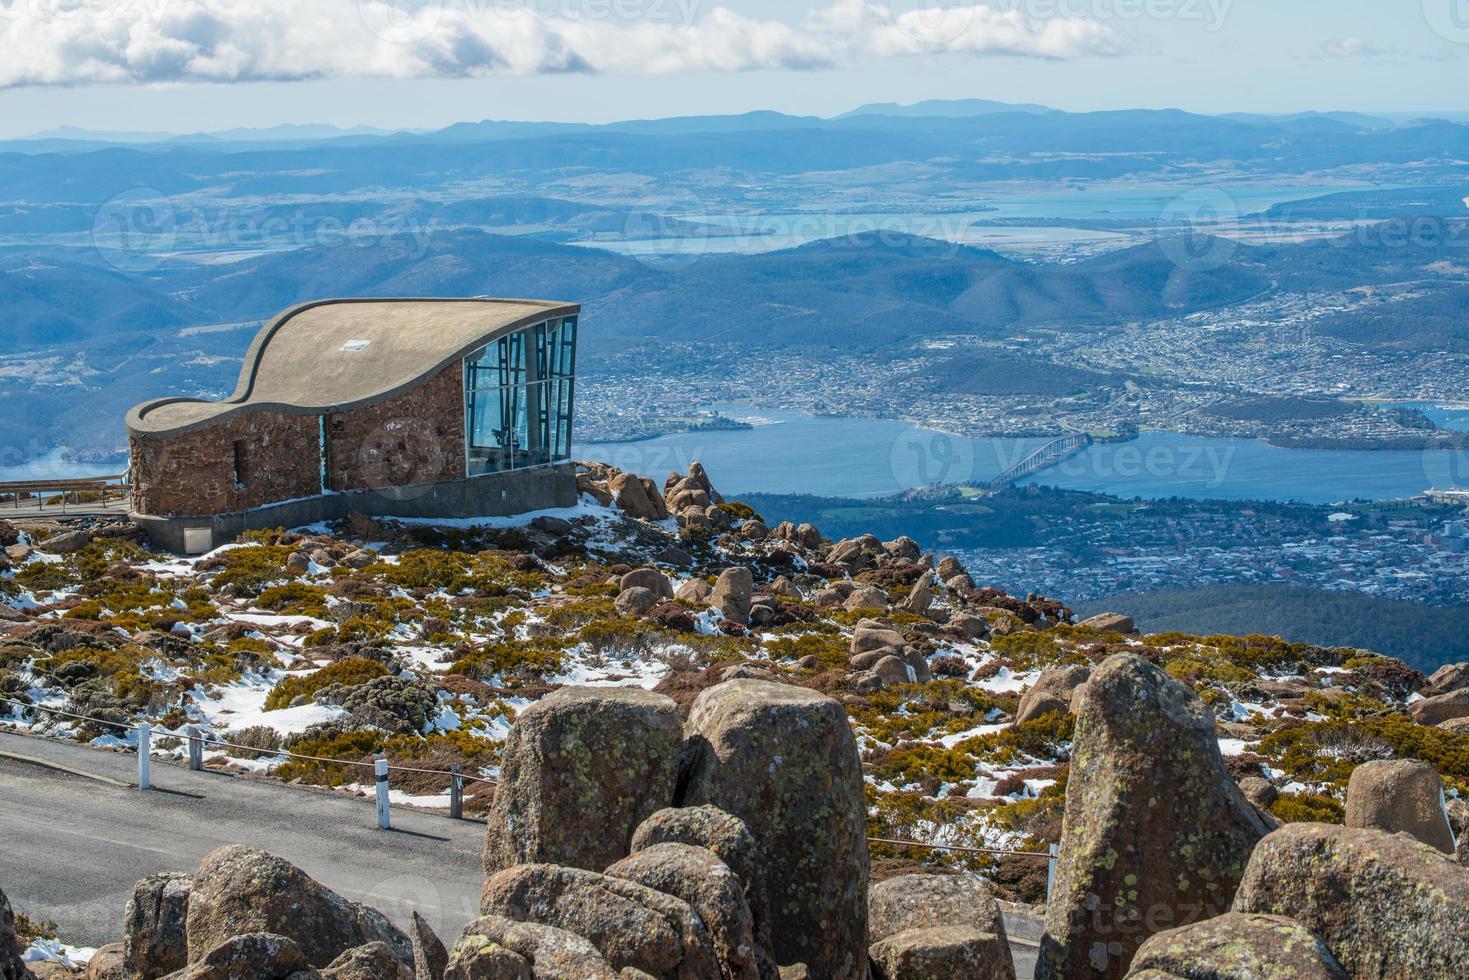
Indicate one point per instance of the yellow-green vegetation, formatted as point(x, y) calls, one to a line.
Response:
point(438, 751)
point(347, 672)
point(121, 668)
point(295, 598)
point(487, 573)
point(1328, 751)
point(829, 649)
point(1307, 808)
point(1027, 650)
point(28, 930)
point(913, 816)
point(1037, 740)
point(526, 658)
point(740, 512)
point(922, 711)
point(248, 571)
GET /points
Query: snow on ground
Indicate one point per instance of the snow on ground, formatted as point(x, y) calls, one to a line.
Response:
point(54, 950)
point(273, 619)
point(242, 705)
point(1008, 682)
point(1232, 746)
point(949, 741)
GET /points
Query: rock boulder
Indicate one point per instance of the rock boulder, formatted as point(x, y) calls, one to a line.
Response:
point(371, 962)
point(712, 890)
point(582, 768)
point(630, 924)
point(1400, 796)
point(240, 890)
point(1441, 708)
point(1238, 946)
point(733, 592)
point(942, 953)
point(430, 958)
point(923, 901)
point(728, 838)
point(495, 948)
point(155, 925)
point(1156, 834)
point(1052, 691)
point(251, 956)
point(783, 760)
point(11, 968)
point(1384, 904)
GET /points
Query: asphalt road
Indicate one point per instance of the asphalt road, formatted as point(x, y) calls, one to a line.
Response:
point(71, 848)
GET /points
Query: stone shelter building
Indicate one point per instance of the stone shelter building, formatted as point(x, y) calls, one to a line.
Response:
point(437, 408)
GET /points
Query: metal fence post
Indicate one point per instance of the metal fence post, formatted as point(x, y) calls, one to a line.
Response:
point(196, 749)
point(1055, 851)
point(145, 732)
point(381, 768)
point(456, 792)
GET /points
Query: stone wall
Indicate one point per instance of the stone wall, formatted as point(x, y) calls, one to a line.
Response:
point(412, 440)
point(194, 474)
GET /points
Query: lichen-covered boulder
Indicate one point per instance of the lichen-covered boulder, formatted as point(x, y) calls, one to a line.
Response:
point(1384, 904)
point(647, 578)
point(1155, 835)
point(635, 601)
point(1238, 946)
point(711, 889)
point(1400, 796)
point(109, 963)
point(783, 760)
point(250, 956)
point(921, 901)
point(630, 924)
point(637, 497)
point(240, 890)
point(429, 955)
point(1449, 678)
point(371, 962)
point(733, 592)
point(11, 968)
point(942, 953)
point(728, 839)
point(1052, 691)
point(1441, 707)
point(582, 768)
point(155, 925)
point(495, 948)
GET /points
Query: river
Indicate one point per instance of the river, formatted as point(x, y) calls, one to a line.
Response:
point(791, 452)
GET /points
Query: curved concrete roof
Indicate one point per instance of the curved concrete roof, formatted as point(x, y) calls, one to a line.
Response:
point(337, 354)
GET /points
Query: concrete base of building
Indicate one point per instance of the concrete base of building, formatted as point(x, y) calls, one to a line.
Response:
point(493, 495)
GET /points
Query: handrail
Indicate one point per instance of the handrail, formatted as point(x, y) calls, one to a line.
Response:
point(210, 740)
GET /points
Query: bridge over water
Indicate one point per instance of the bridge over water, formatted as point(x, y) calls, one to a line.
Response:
point(1045, 457)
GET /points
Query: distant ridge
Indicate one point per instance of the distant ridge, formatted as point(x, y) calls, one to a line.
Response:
point(949, 108)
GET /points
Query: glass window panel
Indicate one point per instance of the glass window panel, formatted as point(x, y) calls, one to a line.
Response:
point(519, 398)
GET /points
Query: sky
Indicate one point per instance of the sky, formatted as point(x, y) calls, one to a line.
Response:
point(202, 65)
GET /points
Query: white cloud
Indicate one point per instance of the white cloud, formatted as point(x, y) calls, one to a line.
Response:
point(1350, 47)
point(69, 42)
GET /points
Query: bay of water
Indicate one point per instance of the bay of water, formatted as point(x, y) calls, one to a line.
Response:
point(53, 465)
point(766, 232)
point(791, 452)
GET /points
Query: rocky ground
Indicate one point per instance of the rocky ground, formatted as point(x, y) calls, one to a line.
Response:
point(443, 645)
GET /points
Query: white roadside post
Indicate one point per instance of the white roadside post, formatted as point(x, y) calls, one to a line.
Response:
point(456, 792)
point(381, 768)
point(196, 749)
point(145, 732)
